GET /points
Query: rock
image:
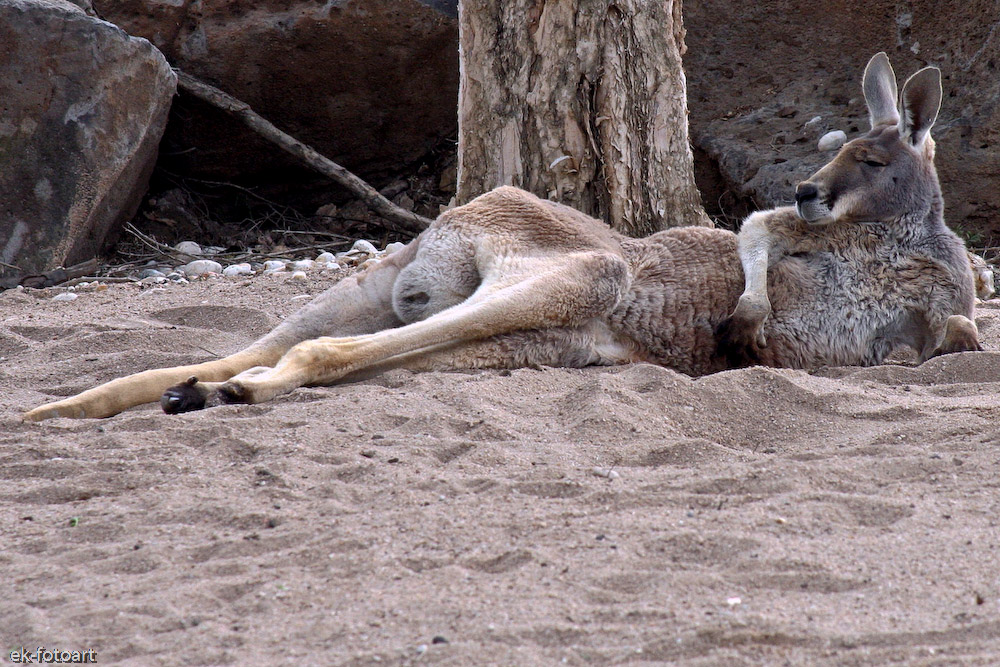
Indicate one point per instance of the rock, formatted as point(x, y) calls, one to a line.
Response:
point(395, 246)
point(299, 275)
point(274, 265)
point(808, 66)
point(84, 107)
point(65, 296)
point(200, 267)
point(334, 74)
point(151, 273)
point(189, 248)
point(302, 265)
point(242, 269)
point(325, 258)
point(832, 141)
point(363, 246)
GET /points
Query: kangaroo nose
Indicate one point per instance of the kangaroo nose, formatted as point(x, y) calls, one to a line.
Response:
point(805, 191)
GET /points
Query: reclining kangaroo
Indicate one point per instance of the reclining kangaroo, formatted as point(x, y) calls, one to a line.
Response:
point(510, 280)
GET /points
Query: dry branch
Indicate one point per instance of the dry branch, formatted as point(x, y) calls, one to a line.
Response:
point(397, 218)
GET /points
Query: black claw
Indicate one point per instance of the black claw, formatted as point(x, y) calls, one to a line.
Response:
point(183, 397)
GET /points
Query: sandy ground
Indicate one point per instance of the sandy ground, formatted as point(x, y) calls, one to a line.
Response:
point(842, 517)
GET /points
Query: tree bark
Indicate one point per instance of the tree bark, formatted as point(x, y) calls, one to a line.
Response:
point(580, 101)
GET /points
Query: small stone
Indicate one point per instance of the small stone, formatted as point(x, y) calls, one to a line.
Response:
point(302, 265)
point(734, 601)
point(188, 248)
point(200, 267)
point(273, 265)
point(177, 277)
point(326, 211)
point(394, 247)
point(607, 473)
point(787, 112)
point(439, 640)
point(813, 122)
point(241, 269)
point(422, 649)
point(831, 141)
point(331, 266)
point(64, 296)
point(325, 258)
point(299, 275)
point(364, 246)
point(151, 273)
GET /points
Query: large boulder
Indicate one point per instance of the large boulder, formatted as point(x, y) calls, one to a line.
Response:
point(760, 73)
point(372, 84)
point(84, 107)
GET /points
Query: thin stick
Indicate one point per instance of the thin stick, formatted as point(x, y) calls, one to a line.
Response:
point(399, 219)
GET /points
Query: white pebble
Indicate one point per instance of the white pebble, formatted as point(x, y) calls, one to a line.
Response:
point(242, 269)
point(364, 246)
point(813, 122)
point(331, 266)
point(299, 275)
point(733, 601)
point(151, 273)
point(188, 248)
point(831, 141)
point(607, 473)
point(200, 267)
point(64, 296)
point(302, 265)
point(394, 247)
point(325, 258)
point(273, 265)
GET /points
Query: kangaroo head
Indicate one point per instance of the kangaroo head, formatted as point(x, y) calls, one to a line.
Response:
point(888, 173)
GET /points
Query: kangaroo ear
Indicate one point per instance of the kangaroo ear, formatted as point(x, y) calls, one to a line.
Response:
point(921, 103)
point(879, 84)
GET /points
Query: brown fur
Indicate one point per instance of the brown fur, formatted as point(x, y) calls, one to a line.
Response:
point(871, 224)
point(511, 280)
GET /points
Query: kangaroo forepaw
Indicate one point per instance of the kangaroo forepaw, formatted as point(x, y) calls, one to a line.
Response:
point(740, 337)
point(738, 343)
point(184, 397)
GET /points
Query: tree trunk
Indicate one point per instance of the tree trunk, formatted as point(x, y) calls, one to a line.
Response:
point(580, 101)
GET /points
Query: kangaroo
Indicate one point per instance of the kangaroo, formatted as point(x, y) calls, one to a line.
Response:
point(876, 210)
point(510, 280)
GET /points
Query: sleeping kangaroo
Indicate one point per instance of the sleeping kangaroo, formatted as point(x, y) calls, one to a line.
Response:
point(510, 280)
point(878, 204)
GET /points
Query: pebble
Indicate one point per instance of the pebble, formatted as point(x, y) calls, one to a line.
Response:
point(273, 265)
point(394, 247)
point(177, 277)
point(200, 267)
point(302, 265)
point(65, 296)
point(151, 273)
point(813, 122)
point(242, 269)
point(188, 248)
point(325, 258)
point(364, 246)
point(831, 141)
point(331, 266)
point(607, 473)
point(299, 275)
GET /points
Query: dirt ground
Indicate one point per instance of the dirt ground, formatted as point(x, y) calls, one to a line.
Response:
point(841, 517)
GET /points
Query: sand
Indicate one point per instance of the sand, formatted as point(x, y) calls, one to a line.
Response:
point(587, 517)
